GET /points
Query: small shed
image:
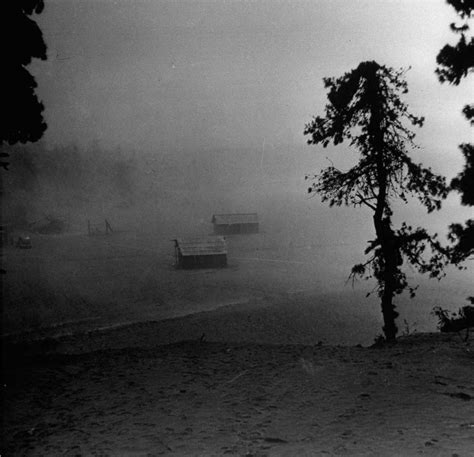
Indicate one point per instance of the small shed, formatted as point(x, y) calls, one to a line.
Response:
point(232, 224)
point(203, 252)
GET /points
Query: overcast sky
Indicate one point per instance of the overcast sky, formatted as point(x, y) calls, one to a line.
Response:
point(195, 75)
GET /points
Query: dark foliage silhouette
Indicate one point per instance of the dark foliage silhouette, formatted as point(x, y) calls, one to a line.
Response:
point(22, 119)
point(455, 322)
point(365, 109)
point(454, 64)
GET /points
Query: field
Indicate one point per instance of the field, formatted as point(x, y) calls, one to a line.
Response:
point(279, 289)
point(252, 359)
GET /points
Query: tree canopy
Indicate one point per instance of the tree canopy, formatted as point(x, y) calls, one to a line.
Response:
point(365, 109)
point(22, 113)
point(454, 64)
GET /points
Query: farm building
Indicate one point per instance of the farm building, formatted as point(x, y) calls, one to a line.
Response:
point(205, 252)
point(231, 224)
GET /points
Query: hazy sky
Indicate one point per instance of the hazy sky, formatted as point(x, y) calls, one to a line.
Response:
point(194, 75)
point(225, 88)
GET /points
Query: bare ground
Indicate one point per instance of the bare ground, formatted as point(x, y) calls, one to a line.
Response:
point(213, 399)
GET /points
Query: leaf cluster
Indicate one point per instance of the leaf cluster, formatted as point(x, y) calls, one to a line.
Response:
point(462, 235)
point(456, 62)
point(463, 182)
point(414, 246)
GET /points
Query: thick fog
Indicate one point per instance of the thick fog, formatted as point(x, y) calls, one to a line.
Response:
point(161, 114)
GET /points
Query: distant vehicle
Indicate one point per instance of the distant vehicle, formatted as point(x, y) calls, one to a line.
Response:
point(24, 242)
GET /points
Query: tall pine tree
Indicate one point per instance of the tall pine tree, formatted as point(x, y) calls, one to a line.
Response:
point(365, 109)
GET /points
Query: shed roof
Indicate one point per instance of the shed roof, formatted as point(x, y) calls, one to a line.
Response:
point(235, 218)
point(210, 245)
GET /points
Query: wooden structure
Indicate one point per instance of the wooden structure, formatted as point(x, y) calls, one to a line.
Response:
point(99, 229)
point(204, 252)
point(237, 223)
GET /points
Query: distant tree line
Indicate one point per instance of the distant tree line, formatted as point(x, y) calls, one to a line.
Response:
point(66, 173)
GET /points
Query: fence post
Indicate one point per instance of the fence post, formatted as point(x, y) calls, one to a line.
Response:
point(108, 227)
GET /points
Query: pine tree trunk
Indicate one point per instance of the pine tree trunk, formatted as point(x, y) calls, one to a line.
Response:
point(388, 277)
point(389, 314)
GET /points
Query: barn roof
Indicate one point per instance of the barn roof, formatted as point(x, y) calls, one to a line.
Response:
point(210, 245)
point(235, 218)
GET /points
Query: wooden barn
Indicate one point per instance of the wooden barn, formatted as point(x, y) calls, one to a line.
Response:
point(233, 224)
point(204, 252)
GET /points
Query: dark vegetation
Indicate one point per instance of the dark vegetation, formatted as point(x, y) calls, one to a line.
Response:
point(455, 63)
point(22, 113)
point(455, 322)
point(366, 110)
point(22, 119)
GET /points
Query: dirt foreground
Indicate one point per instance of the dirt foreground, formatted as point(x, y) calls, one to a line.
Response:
point(199, 398)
